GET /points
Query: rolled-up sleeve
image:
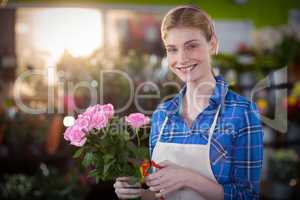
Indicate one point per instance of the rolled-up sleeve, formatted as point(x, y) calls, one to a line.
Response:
point(246, 158)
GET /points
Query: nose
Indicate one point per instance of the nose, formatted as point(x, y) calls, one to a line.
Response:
point(182, 57)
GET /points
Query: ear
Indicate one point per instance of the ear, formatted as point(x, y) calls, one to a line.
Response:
point(214, 45)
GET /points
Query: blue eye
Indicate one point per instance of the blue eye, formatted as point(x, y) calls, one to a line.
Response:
point(192, 46)
point(171, 50)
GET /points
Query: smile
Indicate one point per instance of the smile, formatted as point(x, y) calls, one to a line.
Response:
point(187, 68)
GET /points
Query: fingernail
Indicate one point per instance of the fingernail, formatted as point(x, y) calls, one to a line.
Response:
point(158, 195)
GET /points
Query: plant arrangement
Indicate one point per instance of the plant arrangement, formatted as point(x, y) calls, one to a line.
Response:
point(109, 146)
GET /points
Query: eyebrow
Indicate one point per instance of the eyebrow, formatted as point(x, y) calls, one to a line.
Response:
point(187, 42)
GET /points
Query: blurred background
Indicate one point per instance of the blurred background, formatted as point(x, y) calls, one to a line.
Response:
point(52, 54)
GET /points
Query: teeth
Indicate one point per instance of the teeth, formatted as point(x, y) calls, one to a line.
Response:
point(188, 68)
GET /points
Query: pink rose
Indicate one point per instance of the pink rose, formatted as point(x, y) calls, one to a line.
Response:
point(137, 120)
point(83, 122)
point(108, 109)
point(67, 133)
point(90, 110)
point(96, 116)
point(75, 136)
point(98, 120)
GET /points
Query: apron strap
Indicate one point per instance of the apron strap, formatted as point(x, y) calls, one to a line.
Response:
point(213, 126)
point(162, 128)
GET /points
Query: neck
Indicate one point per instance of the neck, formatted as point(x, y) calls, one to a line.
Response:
point(198, 92)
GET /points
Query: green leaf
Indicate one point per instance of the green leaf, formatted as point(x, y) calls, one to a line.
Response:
point(107, 158)
point(93, 173)
point(88, 159)
point(107, 166)
point(78, 153)
point(142, 153)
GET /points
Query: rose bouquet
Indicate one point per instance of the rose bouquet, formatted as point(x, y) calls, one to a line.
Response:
point(110, 146)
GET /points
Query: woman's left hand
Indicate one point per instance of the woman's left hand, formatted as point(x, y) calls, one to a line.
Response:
point(170, 178)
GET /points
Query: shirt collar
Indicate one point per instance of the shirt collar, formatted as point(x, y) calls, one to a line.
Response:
point(215, 100)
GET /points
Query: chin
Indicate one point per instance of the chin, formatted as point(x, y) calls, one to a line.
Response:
point(188, 79)
point(194, 77)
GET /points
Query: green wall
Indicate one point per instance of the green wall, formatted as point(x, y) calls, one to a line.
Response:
point(261, 12)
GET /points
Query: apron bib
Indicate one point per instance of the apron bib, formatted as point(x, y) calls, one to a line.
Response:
point(192, 156)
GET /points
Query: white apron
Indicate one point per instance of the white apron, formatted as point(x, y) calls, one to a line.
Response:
point(193, 156)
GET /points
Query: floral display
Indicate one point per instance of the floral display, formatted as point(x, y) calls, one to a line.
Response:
point(107, 144)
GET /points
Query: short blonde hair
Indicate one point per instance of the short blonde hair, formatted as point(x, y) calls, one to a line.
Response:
point(187, 16)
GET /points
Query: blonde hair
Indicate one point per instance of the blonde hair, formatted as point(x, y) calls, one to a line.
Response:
point(188, 16)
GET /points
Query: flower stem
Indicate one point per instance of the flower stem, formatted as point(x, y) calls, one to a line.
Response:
point(138, 137)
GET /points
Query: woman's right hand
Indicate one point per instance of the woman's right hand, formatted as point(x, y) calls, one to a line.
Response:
point(126, 191)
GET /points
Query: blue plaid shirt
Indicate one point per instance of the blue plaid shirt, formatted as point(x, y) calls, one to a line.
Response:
point(236, 151)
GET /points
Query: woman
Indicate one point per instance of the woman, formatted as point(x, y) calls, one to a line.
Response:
point(207, 138)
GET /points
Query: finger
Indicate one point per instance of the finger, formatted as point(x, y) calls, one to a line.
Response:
point(124, 191)
point(158, 181)
point(158, 195)
point(124, 178)
point(135, 185)
point(128, 196)
point(154, 189)
point(156, 175)
point(120, 184)
point(171, 188)
point(163, 184)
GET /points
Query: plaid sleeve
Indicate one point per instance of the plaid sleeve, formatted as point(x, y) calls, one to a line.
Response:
point(247, 158)
point(154, 132)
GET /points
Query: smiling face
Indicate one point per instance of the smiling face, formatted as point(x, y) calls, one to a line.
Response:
point(188, 53)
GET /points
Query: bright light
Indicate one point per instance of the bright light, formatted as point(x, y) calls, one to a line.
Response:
point(77, 30)
point(22, 28)
point(68, 121)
